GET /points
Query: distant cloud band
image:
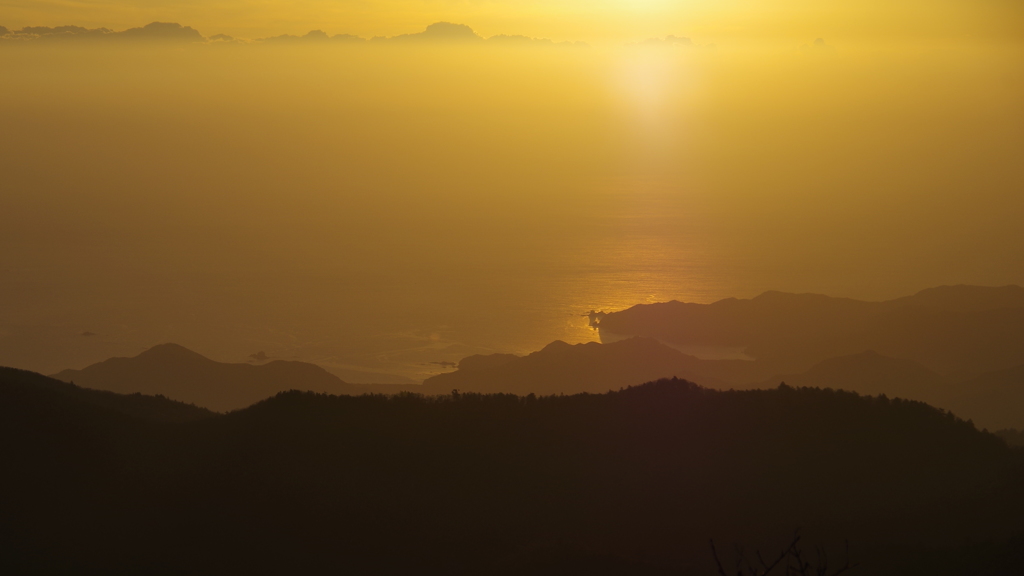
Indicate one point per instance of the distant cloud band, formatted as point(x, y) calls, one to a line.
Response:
point(438, 33)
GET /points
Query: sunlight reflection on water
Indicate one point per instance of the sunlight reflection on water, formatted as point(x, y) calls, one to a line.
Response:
point(388, 212)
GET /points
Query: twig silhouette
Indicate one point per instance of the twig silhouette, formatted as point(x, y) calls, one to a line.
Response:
point(795, 562)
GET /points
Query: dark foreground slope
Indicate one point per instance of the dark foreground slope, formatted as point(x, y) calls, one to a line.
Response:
point(179, 373)
point(631, 482)
point(152, 408)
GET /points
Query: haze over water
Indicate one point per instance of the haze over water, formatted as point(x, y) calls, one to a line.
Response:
point(383, 208)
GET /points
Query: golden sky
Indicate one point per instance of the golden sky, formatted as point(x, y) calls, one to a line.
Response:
point(380, 209)
point(593, 21)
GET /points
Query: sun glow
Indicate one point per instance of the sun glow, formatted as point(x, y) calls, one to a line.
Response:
point(606, 22)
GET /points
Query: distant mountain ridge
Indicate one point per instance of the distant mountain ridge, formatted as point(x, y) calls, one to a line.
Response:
point(873, 374)
point(966, 298)
point(994, 400)
point(957, 331)
point(561, 368)
point(181, 374)
point(152, 32)
point(998, 395)
point(937, 346)
point(164, 32)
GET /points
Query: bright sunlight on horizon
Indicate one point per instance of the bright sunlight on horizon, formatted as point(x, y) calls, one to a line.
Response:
point(512, 287)
point(381, 196)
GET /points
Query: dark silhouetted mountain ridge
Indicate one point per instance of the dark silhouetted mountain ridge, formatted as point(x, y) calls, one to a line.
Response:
point(153, 408)
point(994, 400)
point(629, 482)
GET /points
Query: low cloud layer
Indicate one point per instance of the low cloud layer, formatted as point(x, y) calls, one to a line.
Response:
point(436, 33)
point(161, 31)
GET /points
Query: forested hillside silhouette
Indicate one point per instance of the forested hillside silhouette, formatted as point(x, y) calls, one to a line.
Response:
point(994, 400)
point(630, 482)
point(24, 384)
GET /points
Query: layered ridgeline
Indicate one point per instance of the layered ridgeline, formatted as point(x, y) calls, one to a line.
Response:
point(561, 368)
point(20, 386)
point(903, 348)
point(994, 400)
point(960, 348)
point(181, 374)
point(594, 367)
point(959, 332)
point(630, 482)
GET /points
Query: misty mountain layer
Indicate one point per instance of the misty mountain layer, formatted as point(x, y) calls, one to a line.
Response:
point(994, 400)
point(180, 374)
point(957, 331)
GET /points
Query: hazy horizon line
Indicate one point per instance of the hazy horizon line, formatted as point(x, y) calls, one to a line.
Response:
point(436, 32)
